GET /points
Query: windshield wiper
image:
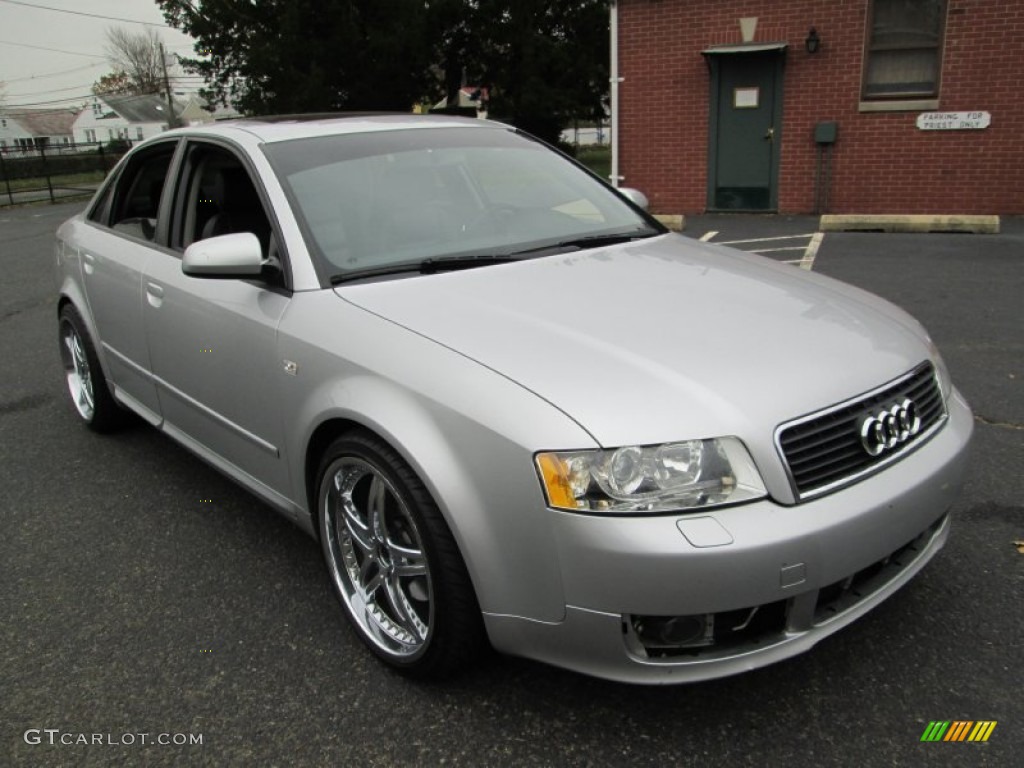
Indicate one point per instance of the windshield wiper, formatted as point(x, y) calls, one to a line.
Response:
point(588, 241)
point(613, 238)
point(451, 263)
point(426, 267)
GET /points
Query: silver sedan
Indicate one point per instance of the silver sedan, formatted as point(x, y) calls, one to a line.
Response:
point(511, 406)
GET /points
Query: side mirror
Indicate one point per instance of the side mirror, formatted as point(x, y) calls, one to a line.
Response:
point(635, 196)
point(235, 255)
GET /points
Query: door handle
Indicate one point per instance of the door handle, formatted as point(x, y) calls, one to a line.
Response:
point(154, 294)
point(771, 134)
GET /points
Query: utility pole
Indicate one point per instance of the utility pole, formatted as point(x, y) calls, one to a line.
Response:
point(172, 121)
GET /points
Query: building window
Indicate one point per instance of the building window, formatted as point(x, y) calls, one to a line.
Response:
point(90, 136)
point(903, 52)
point(138, 133)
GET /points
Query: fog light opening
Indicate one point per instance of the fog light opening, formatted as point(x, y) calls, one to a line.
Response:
point(675, 632)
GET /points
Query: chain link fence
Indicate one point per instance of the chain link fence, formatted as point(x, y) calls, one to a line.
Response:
point(57, 172)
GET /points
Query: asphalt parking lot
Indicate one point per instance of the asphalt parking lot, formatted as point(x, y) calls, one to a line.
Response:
point(144, 593)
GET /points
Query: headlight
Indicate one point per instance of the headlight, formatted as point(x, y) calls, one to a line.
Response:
point(656, 478)
point(941, 371)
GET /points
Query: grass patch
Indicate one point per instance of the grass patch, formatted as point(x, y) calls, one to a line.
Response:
point(62, 180)
point(597, 159)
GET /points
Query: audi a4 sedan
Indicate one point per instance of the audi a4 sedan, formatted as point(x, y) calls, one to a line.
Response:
point(512, 408)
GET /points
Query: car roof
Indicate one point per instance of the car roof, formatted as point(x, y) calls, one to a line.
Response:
point(286, 127)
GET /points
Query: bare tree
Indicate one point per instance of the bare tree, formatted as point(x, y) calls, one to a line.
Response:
point(139, 56)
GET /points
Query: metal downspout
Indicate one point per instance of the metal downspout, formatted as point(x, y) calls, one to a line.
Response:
point(614, 82)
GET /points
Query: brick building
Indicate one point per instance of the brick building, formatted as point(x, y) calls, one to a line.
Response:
point(721, 105)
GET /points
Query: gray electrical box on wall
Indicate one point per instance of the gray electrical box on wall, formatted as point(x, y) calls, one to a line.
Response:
point(826, 132)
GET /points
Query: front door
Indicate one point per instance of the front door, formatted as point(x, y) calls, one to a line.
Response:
point(746, 117)
point(213, 343)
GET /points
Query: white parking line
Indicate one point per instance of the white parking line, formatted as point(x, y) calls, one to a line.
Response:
point(765, 239)
point(809, 252)
point(812, 251)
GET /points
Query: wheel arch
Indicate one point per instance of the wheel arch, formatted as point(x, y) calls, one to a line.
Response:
point(432, 440)
point(71, 294)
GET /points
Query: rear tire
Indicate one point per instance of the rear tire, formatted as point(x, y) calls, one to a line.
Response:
point(393, 562)
point(85, 380)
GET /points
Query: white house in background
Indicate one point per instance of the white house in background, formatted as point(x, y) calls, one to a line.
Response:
point(470, 97)
point(133, 117)
point(29, 128)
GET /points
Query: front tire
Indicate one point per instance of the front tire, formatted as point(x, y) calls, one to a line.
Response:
point(393, 562)
point(85, 380)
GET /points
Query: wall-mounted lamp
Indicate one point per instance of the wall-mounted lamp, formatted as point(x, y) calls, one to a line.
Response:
point(813, 42)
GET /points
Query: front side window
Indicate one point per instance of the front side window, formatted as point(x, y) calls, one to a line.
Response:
point(220, 198)
point(903, 55)
point(377, 200)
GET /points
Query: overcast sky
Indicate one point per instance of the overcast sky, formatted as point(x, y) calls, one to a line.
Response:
point(63, 78)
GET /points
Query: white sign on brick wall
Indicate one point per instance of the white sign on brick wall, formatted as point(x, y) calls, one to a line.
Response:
point(953, 121)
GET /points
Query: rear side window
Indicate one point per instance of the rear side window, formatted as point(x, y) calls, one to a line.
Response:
point(138, 191)
point(98, 212)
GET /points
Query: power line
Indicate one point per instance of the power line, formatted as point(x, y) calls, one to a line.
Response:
point(52, 74)
point(54, 90)
point(174, 78)
point(52, 50)
point(83, 13)
point(50, 102)
point(78, 99)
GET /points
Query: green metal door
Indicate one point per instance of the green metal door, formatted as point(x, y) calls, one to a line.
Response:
point(746, 117)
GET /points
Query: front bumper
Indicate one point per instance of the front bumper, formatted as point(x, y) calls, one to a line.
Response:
point(810, 569)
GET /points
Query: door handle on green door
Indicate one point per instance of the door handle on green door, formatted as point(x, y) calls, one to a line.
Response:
point(771, 134)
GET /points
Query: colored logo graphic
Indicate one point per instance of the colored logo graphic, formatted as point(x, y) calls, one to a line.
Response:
point(958, 730)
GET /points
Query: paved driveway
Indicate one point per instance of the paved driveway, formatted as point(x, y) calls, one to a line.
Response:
point(140, 592)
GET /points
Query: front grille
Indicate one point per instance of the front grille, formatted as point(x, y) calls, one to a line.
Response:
point(823, 451)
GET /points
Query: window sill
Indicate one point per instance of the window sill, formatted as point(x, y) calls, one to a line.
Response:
point(902, 105)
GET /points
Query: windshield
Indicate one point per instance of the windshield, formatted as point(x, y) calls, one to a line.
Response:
point(372, 201)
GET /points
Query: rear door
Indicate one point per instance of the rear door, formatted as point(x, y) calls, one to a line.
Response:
point(115, 247)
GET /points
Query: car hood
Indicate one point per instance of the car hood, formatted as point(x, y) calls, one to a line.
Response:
point(660, 339)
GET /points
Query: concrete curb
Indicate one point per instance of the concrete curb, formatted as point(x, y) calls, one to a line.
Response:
point(978, 225)
point(673, 221)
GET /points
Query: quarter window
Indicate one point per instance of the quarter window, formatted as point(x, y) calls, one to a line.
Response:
point(903, 53)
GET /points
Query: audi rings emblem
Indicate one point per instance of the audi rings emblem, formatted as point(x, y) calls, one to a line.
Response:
point(887, 429)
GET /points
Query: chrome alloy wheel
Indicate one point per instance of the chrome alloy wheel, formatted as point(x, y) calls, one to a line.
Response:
point(79, 375)
point(377, 560)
